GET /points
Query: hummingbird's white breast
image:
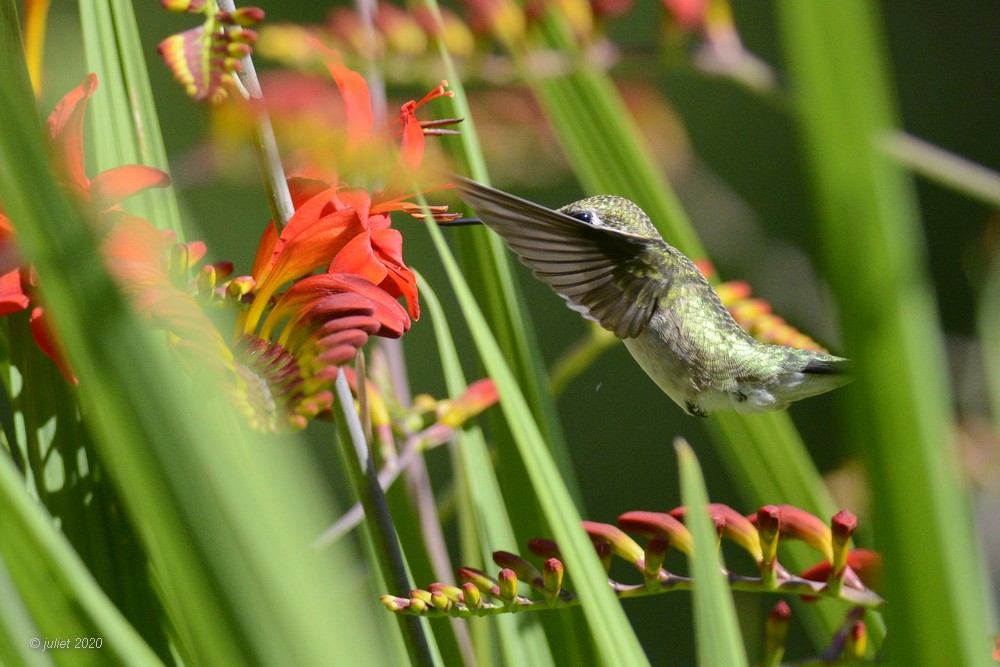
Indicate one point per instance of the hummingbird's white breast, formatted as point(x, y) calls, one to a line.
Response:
point(659, 353)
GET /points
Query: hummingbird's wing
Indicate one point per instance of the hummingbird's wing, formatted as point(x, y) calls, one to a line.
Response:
point(612, 277)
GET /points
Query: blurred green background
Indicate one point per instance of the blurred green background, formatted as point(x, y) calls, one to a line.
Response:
point(732, 154)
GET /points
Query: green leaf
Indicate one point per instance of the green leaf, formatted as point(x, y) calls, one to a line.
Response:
point(225, 520)
point(615, 641)
point(716, 628)
point(46, 592)
point(937, 606)
point(126, 128)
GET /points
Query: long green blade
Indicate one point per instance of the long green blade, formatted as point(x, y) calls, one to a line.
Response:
point(937, 612)
point(716, 629)
point(57, 595)
point(615, 641)
point(128, 130)
point(226, 522)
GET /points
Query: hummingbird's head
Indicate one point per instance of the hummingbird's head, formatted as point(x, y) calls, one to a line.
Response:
point(614, 212)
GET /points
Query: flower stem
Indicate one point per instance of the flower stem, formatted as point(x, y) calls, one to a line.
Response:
point(361, 468)
point(279, 200)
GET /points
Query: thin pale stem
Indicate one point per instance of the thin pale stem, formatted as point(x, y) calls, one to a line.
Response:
point(265, 145)
point(668, 583)
point(361, 469)
point(944, 167)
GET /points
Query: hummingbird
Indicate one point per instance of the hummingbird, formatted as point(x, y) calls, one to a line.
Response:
point(606, 259)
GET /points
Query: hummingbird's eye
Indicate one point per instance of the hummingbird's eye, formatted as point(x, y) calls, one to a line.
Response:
point(584, 216)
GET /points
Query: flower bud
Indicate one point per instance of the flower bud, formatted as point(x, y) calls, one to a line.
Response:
point(552, 576)
point(507, 581)
point(622, 545)
point(653, 557)
point(523, 569)
point(471, 596)
point(658, 523)
point(775, 633)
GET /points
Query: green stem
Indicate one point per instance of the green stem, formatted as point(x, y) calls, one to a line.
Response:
point(939, 611)
point(279, 200)
point(364, 478)
point(944, 167)
point(670, 583)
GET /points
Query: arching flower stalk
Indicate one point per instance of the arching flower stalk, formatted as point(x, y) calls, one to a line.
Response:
point(204, 59)
point(843, 573)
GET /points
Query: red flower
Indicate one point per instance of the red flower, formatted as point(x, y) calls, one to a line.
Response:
point(317, 291)
point(108, 188)
point(99, 196)
point(298, 325)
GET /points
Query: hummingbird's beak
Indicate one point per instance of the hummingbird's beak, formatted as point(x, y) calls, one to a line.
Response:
point(460, 222)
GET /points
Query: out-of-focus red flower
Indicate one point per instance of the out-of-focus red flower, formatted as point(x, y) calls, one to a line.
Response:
point(99, 196)
point(318, 289)
point(108, 188)
point(689, 14)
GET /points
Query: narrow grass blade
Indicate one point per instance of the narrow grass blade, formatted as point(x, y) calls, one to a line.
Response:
point(53, 586)
point(127, 129)
point(480, 503)
point(615, 642)
point(937, 607)
point(716, 628)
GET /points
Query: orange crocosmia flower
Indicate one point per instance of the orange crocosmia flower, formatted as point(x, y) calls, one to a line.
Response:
point(99, 195)
point(108, 188)
point(357, 102)
point(377, 252)
point(139, 257)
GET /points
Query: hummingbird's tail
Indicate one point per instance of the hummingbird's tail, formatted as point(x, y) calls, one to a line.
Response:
point(810, 373)
point(828, 365)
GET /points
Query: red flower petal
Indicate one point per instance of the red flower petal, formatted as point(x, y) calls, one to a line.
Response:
point(303, 189)
point(357, 102)
point(305, 245)
point(65, 125)
point(311, 237)
point(400, 281)
point(12, 296)
point(303, 295)
point(265, 250)
point(119, 183)
point(46, 339)
point(412, 145)
point(311, 248)
point(361, 202)
point(358, 258)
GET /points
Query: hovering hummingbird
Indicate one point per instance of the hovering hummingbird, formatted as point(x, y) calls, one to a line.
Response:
point(603, 255)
